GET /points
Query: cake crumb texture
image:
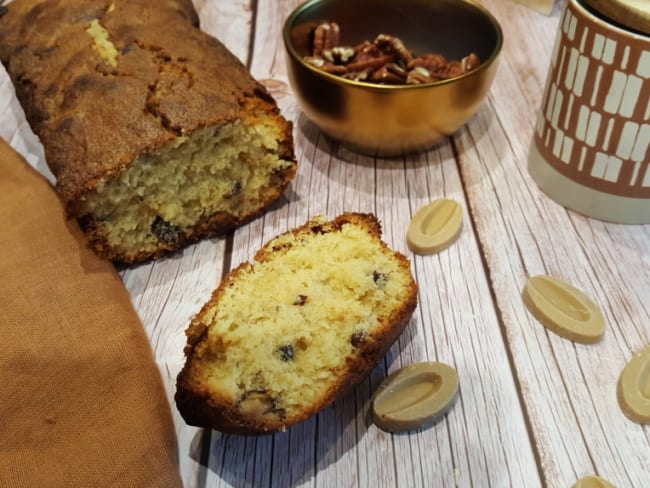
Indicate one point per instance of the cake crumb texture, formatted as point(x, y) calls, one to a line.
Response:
point(156, 133)
point(285, 335)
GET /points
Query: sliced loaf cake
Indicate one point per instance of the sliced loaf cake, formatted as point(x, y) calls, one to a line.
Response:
point(286, 335)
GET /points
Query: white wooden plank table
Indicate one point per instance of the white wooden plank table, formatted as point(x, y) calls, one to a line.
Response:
point(534, 409)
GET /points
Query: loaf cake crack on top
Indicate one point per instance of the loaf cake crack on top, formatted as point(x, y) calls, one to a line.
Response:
point(285, 335)
point(157, 135)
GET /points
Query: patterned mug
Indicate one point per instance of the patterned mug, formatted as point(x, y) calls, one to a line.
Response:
point(591, 145)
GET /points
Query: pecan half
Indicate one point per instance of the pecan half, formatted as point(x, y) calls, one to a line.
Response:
point(370, 63)
point(418, 75)
point(387, 76)
point(429, 61)
point(326, 36)
point(339, 54)
point(258, 404)
point(394, 45)
point(470, 62)
point(325, 65)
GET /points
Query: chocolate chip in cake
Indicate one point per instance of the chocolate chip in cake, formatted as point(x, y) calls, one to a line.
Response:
point(318, 229)
point(127, 48)
point(235, 189)
point(163, 56)
point(379, 278)
point(3, 10)
point(357, 338)
point(165, 232)
point(286, 353)
point(300, 300)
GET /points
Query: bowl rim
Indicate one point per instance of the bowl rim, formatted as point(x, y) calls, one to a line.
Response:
point(288, 24)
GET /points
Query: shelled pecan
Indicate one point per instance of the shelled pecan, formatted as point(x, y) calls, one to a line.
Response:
point(385, 60)
point(326, 36)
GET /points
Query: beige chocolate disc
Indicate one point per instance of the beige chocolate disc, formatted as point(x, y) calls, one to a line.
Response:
point(434, 226)
point(633, 390)
point(593, 482)
point(563, 309)
point(414, 396)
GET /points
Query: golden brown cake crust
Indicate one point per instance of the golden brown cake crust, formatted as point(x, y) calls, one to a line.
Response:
point(92, 118)
point(201, 406)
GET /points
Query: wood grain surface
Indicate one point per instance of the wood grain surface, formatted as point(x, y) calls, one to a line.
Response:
point(534, 409)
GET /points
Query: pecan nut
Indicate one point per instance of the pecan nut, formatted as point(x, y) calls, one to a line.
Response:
point(326, 36)
point(386, 60)
point(418, 76)
point(395, 46)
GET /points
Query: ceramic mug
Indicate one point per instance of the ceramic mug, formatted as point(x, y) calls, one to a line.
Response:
point(591, 145)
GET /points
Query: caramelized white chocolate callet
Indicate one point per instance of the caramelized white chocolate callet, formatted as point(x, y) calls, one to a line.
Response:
point(414, 396)
point(592, 482)
point(563, 309)
point(633, 390)
point(434, 227)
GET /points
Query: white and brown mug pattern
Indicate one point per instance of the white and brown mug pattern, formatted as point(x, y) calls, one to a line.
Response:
point(594, 123)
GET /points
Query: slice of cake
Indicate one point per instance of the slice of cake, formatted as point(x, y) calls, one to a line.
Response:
point(284, 336)
point(157, 135)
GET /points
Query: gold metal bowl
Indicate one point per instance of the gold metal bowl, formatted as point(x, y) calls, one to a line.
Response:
point(392, 119)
